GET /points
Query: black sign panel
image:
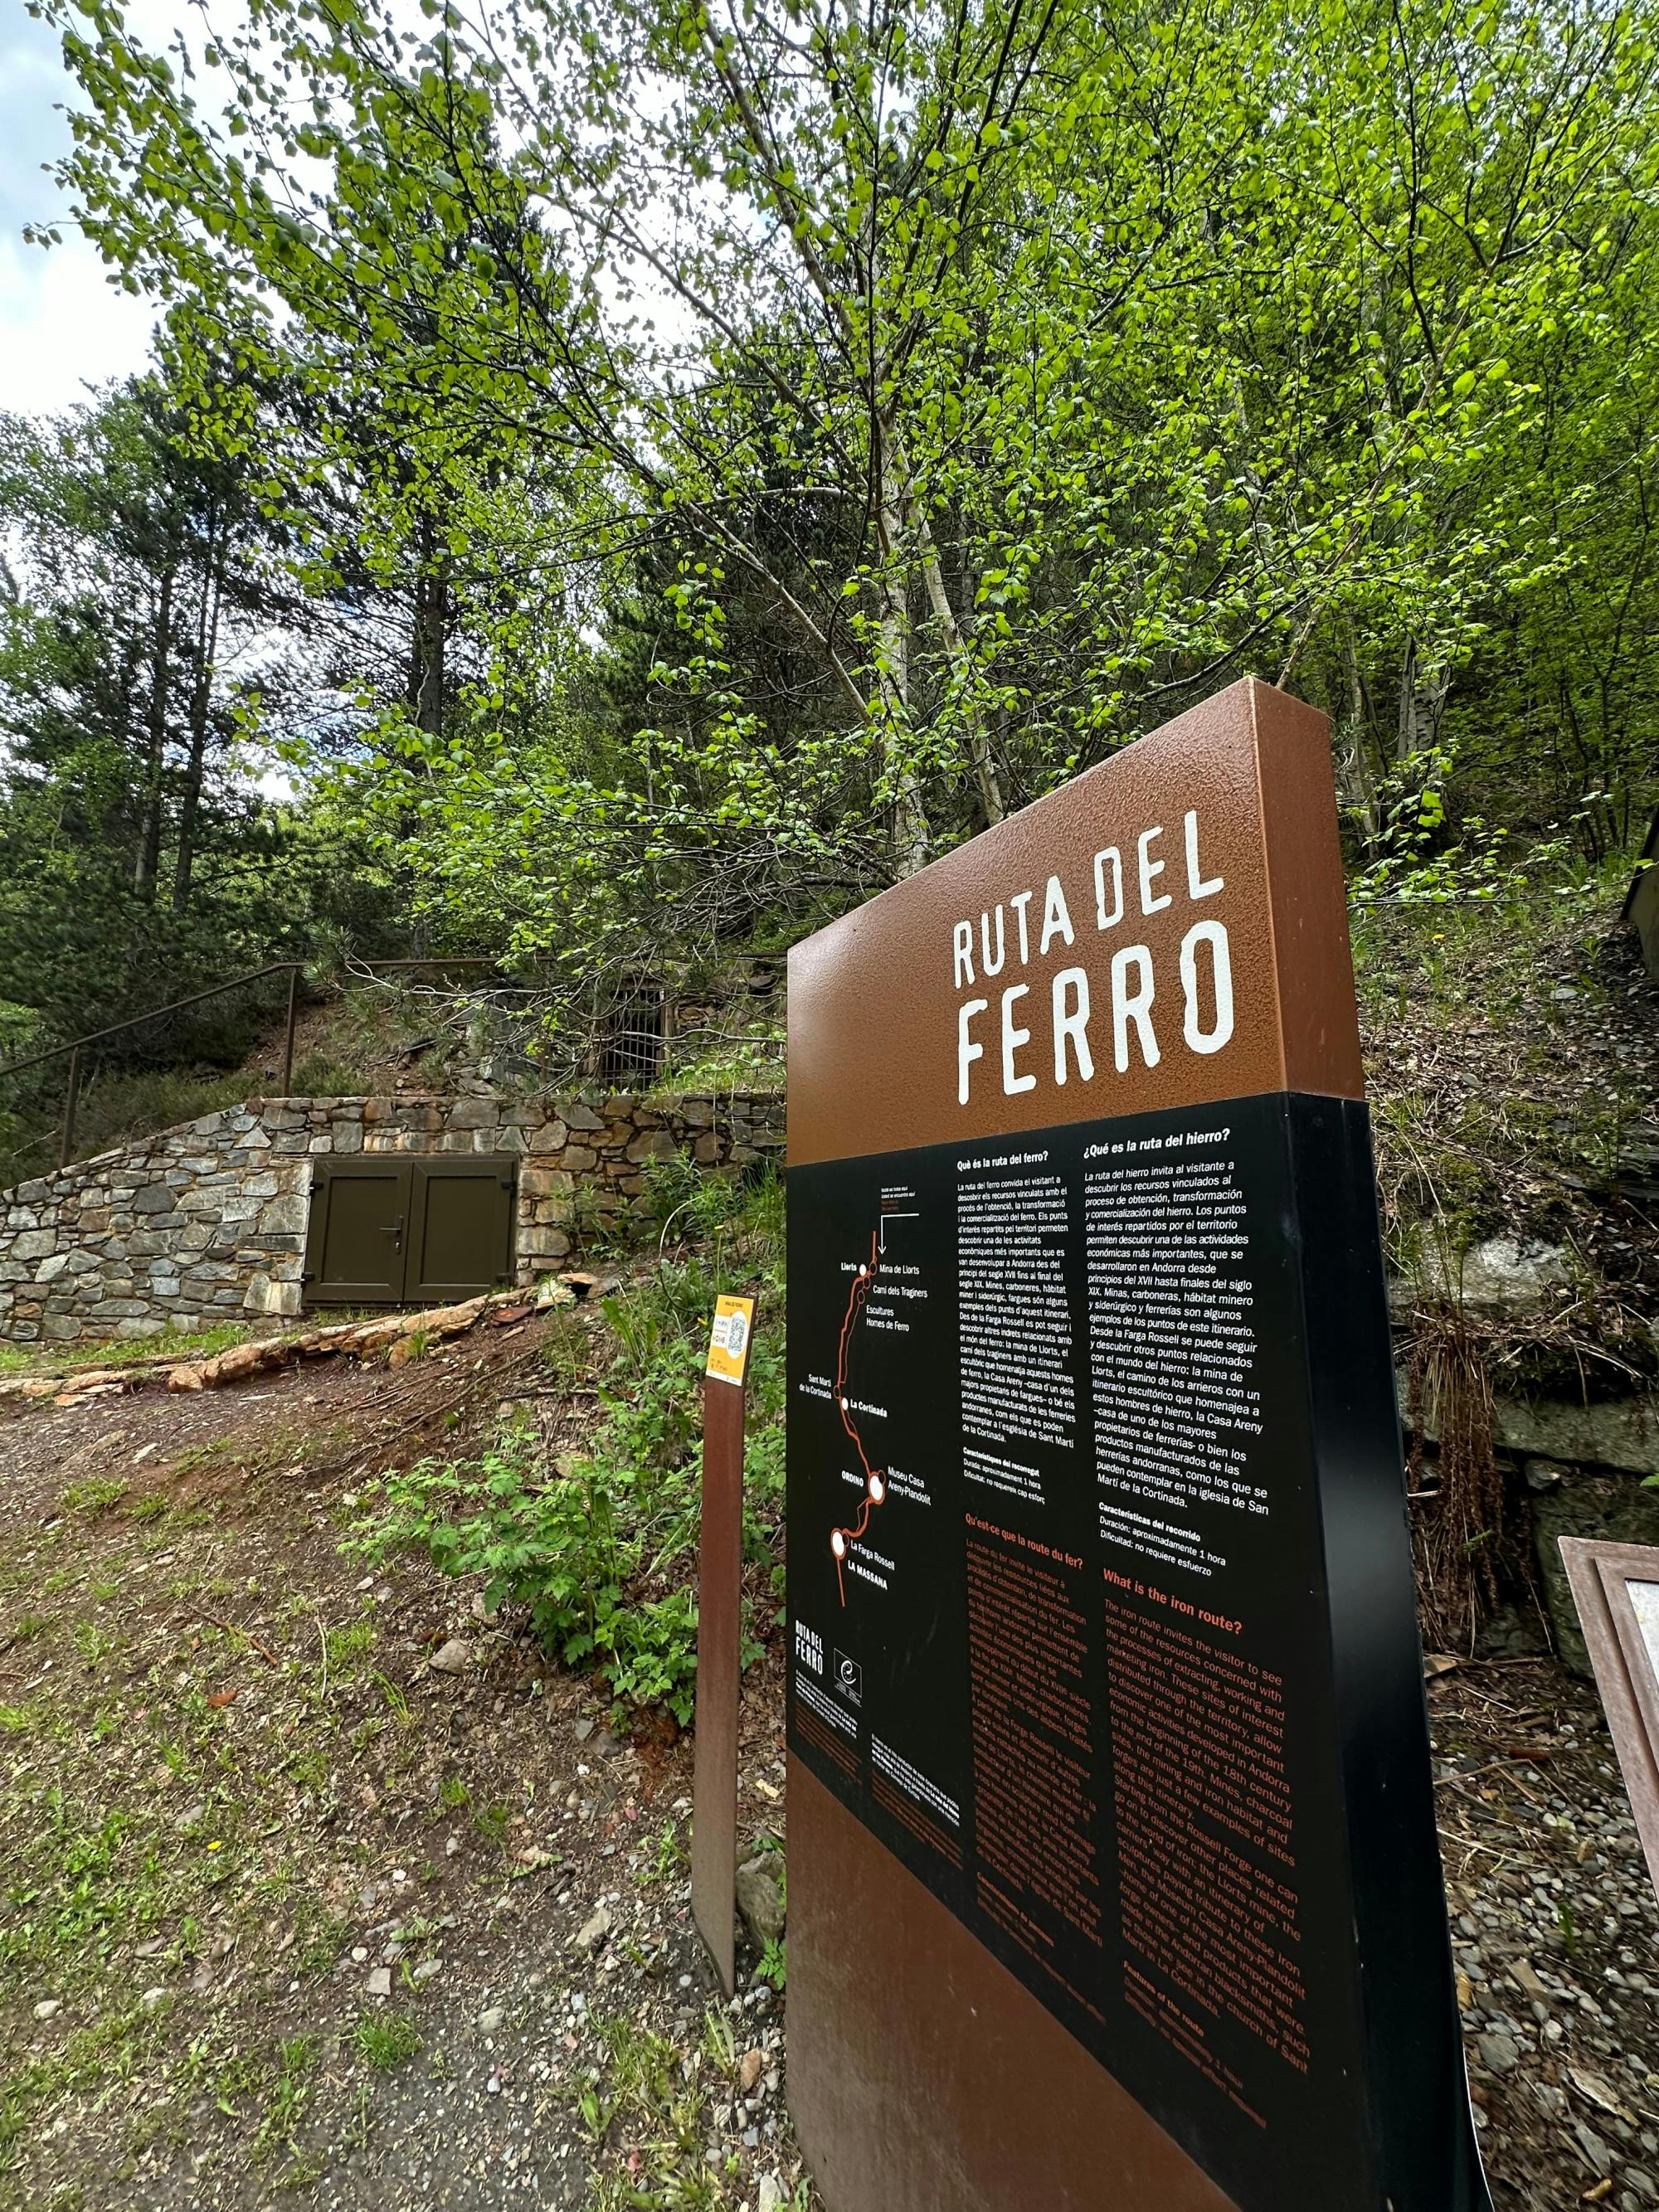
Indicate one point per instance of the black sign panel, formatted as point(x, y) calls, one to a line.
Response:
point(1073, 1417)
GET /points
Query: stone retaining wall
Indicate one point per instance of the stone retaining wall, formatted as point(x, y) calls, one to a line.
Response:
point(207, 1223)
point(1585, 1470)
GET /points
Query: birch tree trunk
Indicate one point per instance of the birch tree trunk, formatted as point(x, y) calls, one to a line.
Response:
point(911, 842)
point(1355, 779)
point(1423, 688)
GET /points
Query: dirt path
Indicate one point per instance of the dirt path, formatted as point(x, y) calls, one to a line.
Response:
point(296, 1916)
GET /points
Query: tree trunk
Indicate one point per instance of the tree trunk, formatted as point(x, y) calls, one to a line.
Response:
point(1423, 689)
point(149, 835)
point(1356, 784)
point(956, 648)
point(910, 835)
point(207, 646)
point(431, 634)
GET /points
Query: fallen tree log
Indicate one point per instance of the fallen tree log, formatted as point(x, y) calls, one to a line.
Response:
point(393, 1333)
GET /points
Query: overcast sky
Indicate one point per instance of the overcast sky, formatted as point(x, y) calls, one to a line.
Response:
point(61, 325)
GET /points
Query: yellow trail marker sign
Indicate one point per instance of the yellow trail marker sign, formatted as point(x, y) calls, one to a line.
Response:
point(728, 1341)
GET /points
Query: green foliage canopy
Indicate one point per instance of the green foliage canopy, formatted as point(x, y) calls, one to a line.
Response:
point(827, 431)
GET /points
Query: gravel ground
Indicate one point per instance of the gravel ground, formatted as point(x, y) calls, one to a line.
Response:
point(1556, 1937)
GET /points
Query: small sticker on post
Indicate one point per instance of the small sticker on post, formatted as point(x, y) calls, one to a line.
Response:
point(729, 1339)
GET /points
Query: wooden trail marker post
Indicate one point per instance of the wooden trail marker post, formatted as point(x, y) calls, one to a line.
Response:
point(719, 1611)
point(1113, 1873)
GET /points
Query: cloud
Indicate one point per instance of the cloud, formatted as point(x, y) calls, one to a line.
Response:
point(61, 325)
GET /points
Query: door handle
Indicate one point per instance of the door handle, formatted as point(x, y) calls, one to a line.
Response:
point(394, 1229)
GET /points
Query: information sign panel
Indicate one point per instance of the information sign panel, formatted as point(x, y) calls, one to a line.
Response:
point(1105, 1695)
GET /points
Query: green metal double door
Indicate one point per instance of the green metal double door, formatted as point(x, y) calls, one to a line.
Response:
point(394, 1229)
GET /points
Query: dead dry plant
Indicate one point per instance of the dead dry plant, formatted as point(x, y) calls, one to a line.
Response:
point(1460, 1533)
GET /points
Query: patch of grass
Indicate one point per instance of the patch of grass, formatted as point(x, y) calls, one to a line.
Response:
point(93, 1642)
point(387, 2039)
point(176, 1344)
point(666, 1856)
point(492, 1822)
point(290, 1447)
point(105, 2054)
point(116, 1109)
point(85, 1880)
point(291, 2093)
point(93, 1496)
point(327, 1075)
point(171, 1347)
point(720, 2040)
point(566, 1348)
point(696, 1067)
point(320, 1937)
point(395, 1699)
point(347, 1644)
point(221, 1451)
point(452, 1793)
point(310, 1767)
point(643, 2084)
point(233, 2078)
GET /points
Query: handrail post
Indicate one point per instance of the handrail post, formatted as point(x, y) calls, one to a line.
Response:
point(287, 1043)
point(70, 1098)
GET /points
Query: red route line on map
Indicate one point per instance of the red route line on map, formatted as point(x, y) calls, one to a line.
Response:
point(861, 1291)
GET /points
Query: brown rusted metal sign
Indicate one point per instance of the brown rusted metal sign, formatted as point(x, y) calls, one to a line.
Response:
point(720, 1614)
point(1616, 1589)
point(1113, 1873)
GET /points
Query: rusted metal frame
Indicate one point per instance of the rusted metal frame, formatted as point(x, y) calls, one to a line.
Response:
point(924, 2073)
point(70, 1098)
point(1597, 1572)
point(287, 1035)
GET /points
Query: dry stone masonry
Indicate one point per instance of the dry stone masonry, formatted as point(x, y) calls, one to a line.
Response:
point(207, 1223)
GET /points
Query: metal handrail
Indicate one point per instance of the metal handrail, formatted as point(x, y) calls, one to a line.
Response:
point(150, 1014)
point(292, 969)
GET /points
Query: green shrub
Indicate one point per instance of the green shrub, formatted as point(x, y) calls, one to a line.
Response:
point(325, 1075)
point(600, 1550)
point(572, 1547)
